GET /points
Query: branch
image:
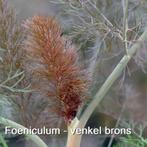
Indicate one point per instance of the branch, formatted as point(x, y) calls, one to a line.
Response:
point(74, 140)
point(112, 78)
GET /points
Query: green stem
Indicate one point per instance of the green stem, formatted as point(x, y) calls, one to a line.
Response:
point(36, 139)
point(2, 141)
point(74, 140)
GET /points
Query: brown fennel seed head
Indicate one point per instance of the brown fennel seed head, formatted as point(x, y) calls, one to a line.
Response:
point(60, 67)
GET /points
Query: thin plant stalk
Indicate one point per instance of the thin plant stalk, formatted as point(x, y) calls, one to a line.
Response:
point(125, 23)
point(117, 124)
point(36, 139)
point(74, 140)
